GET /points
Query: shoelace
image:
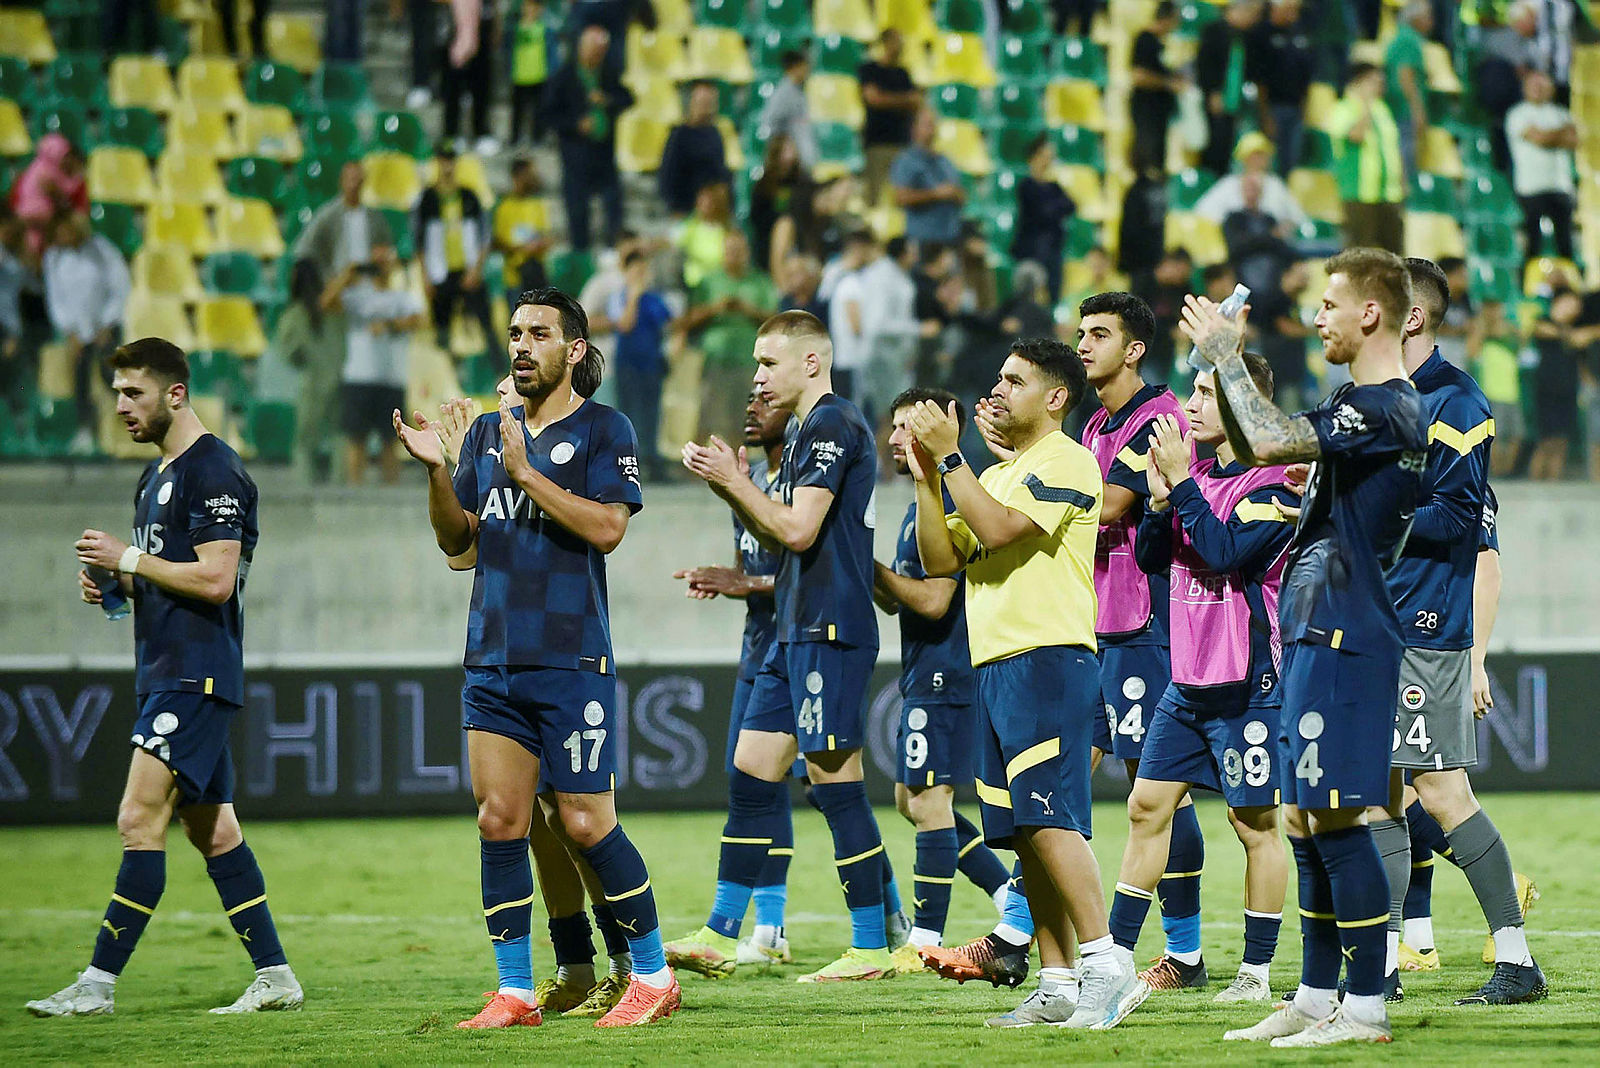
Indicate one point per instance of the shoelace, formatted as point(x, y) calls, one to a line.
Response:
point(979, 952)
point(1163, 974)
point(1092, 987)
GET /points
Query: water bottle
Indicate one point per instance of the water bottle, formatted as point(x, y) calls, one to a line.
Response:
point(112, 601)
point(1230, 310)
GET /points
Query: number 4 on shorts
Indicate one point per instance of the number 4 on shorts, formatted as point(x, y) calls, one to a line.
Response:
point(1307, 767)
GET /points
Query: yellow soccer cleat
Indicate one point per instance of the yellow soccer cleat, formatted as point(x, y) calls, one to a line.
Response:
point(554, 995)
point(907, 960)
point(605, 996)
point(713, 955)
point(1420, 960)
point(1527, 894)
point(856, 964)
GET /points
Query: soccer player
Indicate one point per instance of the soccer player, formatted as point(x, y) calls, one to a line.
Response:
point(1025, 535)
point(1435, 736)
point(1341, 659)
point(811, 692)
point(937, 724)
point(752, 581)
point(1216, 526)
point(194, 533)
point(545, 494)
point(1114, 331)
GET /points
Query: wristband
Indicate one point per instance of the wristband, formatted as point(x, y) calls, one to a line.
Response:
point(129, 564)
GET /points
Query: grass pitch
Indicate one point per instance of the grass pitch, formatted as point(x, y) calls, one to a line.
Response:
point(381, 922)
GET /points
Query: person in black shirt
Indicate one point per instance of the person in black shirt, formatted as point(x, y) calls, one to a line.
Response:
point(1164, 289)
point(1154, 98)
point(1279, 59)
point(891, 101)
point(583, 99)
point(1256, 240)
point(1043, 210)
point(1141, 237)
point(694, 157)
point(1219, 70)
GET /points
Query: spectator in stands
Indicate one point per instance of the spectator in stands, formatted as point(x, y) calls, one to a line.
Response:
point(1096, 276)
point(1140, 235)
point(1027, 312)
point(1460, 319)
point(534, 54)
point(467, 69)
point(1557, 22)
point(787, 112)
point(927, 185)
point(1280, 60)
point(310, 341)
point(1219, 71)
point(1506, 54)
point(19, 338)
point(380, 317)
point(847, 303)
point(424, 17)
point(453, 242)
point(1406, 76)
point(977, 266)
point(1226, 195)
point(130, 26)
point(583, 100)
point(342, 231)
point(51, 184)
point(800, 277)
point(641, 318)
point(1281, 336)
point(342, 40)
point(1560, 344)
point(1366, 149)
point(1154, 99)
point(1542, 137)
point(1075, 17)
point(613, 16)
point(889, 326)
point(1258, 247)
point(596, 298)
point(521, 231)
point(726, 310)
point(86, 288)
point(694, 157)
point(891, 101)
point(702, 237)
point(1498, 346)
point(781, 207)
point(1164, 289)
point(228, 15)
point(1043, 211)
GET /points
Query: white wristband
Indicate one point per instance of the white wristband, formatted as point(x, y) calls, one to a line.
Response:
point(129, 564)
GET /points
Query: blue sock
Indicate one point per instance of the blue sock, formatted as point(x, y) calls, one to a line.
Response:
point(976, 860)
point(1017, 915)
point(569, 935)
point(507, 878)
point(935, 877)
point(1319, 934)
point(1180, 885)
point(621, 871)
point(1129, 906)
point(1426, 834)
point(857, 855)
point(243, 890)
point(616, 940)
point(772, 885)
point(1427, 840)
point(1261, 936)
point(140, 881)
point(756, 819)
point(1361, 903)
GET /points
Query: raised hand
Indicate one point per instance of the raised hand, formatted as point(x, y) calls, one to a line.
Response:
point(935, 428)
point(513, 441)
point(455, 418)
point(421, 441)
point(715, 462)
point(1170, 450)
point(1217, 337)
point(1160, 490)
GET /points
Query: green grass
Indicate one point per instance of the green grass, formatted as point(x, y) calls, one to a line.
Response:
point(380, 921)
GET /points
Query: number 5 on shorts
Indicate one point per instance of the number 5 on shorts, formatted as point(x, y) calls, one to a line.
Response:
point(574, 745)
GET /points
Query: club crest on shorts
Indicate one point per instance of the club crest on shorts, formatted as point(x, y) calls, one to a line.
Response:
point(1311, 726)
point(917, 719)
point(1413, 697)
point(1133, 687)
point(1255, 732)
point(594, 713)
point(165, 723)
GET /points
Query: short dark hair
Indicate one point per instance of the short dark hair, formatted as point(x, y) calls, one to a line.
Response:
point(941, 397)
point(791, 58)
point(160, 357)
point(1137, 320)
point(1260, 372)
point(1057, 362)
point(1213, 271)
point(589, 372)
point(896, 247)
point(1166, 9)
point(1430, 291)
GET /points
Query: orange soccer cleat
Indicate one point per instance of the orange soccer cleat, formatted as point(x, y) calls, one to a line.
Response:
point(1001, 963)
point(643, 1005)
point(503, 1010)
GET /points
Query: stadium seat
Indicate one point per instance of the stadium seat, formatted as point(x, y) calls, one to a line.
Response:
point(14, 137)
point(913, 18)
point(1023, 62)
point(470, 174)
point(118, 224)
point(1441, 73)
point(78, 80)
point(120, 176)
point(658, 99)
point(1018, 105)
point(182, 225)
point(835, 98)
point(201, 129)
point(1082, 235)
point(1187, 186)
point(1000, 228)
point(1086, 188)
point(276, 83)
point(189, 176)
point(1316, 150)
point(1429, 192)
point(26, 35)
point(839, 150)
point(1080, 59)
point(717, 52)
point(673, 14)
point(784, 14)
point(1438, 154)
point(1077, 145)
point(962, 141)
point(269, 130)
point(152, 316)
point(640, 142)
point(230, 323)
point(732, 150)
point(1541, 274)
point(847, 18)
point(162, 270)
point(138, 128)
point(318, 179)
point(216, 373)
point(272, 430)
point(1026, 19)
point(1199, 235)
point(1321, 99)
point(959, 57)
point(392, 181)
point(66, 118)
point(956, 101)
point(210, 82)
point(238, 273)
point(401, 131)
point(837, 54)
point(655, 55)
point(960, 16)
point(332, 135)
point(342, 86)
point(1318, 193)
point(16, 81)
point(402, 229)
point(141, 82)
point(1074, 103)
point(256, 176)
point(727, 14)
point(292, 40)
point(1434, 235)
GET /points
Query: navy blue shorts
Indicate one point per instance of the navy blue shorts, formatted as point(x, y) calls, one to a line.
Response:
point(1036, 714)
point(188, 732)
point(816, 691)
point(1338, 723)
point(1132, 680)
point(564, 717)
point(1231, 755)
point(934, 743)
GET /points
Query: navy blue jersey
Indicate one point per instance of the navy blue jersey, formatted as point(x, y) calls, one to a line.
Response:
point(1431, 583)
point(181, 643)
point(825, 593)
point(1359, 502)
point(935, 662)
point(539, 590)
point(760, 610)
point(1489, 529)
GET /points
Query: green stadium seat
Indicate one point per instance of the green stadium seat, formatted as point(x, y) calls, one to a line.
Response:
point(1082, 235)
point(1319, 232)
point(999, 228)
point(403, 232)
point(570, 269)
point(1188, 186)
point(1011, 143)
point(276, 83)
point(118, 224)
point(1023, 62)
point(332, 135)
point(957, 102)
point(256, 176)
point(272, 427)
point(173, 34)
point(16, 81)
point(839, 149)
point(318, 179)
point(78, 78)
point(55, 421)
point(767, 46)
point(341, 85)
point(1026, 19)
point(1316, 149)
point(138, 128)
point(997, 192)
point(1078, 58)
point(64, 117)
point(1018, 105)
point(297, 213)
point(1193, 15)
point(1429, 192)
point(1077, 145)
point(401, 131)
point(784, 14)
point(725, 13)
point(213, 372)
point(837, 55)
point(960, 16)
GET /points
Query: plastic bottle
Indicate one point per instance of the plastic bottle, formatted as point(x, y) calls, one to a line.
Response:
point(1230, 310)
point(112, 600)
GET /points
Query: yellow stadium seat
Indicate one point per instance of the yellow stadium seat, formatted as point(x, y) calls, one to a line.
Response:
point(655, 55)
point(674, 15)
point(719, 52)
point(960, 57)
point(470, 174)
point(165, 271)
point(1438, 153)
point(913, 18)
point(1075, 103)
point(292, 40)
point(393, 181)
point(1084, 185)
point(189, 176)
point(141, 82)
point(25, 33)
point(732, 151)
point(1321, 99)
point(14, 139)
point(657, 98)
point(245, 224)
point(210, 82)
point(1542, 273)
point(229, 323)
point(1441, 73)
point(201, 129)
point(147, 315)
point(182, 225)
point(269, 130)
point(835, 98)
point(847, 18)
point(640, 141)
point(1318, 193)
point(887, 221)
point(918, 60)
point(1368, 52)
point(120, 175)
point(1199, 235)
point(1434, 235)
point(963, 142)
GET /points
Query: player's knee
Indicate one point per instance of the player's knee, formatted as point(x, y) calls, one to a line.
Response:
point(1146, 813)
point(585, 827)
point(501, 822)
point(140, 826)
point(930, 809)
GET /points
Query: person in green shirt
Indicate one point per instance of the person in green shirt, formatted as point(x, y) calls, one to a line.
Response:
point(1496, 368)
point(533, 51)
point(1366, 151)
point(727, 308)
point(1406, 78)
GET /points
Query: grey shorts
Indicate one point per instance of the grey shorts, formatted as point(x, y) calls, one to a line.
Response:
point(1433, 725)
point(1508, 421)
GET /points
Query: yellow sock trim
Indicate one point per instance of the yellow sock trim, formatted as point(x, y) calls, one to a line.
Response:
point(1347, 924)
point(631, 893)
point(119, 899)
point(254, 902)
point(508, 905)
point(874, 851)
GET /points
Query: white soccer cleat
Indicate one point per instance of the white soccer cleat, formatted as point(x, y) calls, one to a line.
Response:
point(1245, 987)
point(760, 951)
point(1336, 1030)
point(1105, 998)
point(81, 997)
point(1286, 1020)
point(274, 990)
point(1040, 1007)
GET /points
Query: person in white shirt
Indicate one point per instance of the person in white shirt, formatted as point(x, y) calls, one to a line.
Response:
point(889, 328)
point(847, 313)
point(1226, 196)
point(787, 112)
point(86, 287)
point(1542, 136)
